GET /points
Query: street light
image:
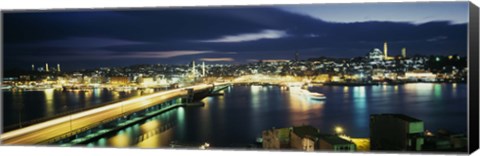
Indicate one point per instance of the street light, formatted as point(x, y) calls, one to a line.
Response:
point(338, 130)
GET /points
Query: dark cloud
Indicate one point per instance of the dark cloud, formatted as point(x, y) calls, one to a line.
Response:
point(93, 38)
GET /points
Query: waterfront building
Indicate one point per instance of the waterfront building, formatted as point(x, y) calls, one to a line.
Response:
point(444, 140)
point(304, 138)
point(420, 75)
point(378, 74)
point(335, 143)
point(321, 78)
point(96, 79)
point(146, 81)
point(276, 138)
point(76, 78)
point(394, 132)
point(119, 80)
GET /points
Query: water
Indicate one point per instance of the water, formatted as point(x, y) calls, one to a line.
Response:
point(238, 118)
point(27, 106)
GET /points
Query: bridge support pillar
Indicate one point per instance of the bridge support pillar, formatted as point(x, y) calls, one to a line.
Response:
point(190, 95)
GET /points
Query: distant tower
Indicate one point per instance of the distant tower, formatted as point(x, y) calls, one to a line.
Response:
point(404, 52)
point(296, 56)
point(58, 67)
point(193, 68)
point(33, 67)
point(385, 50)
point(203, 68)
point(46, 67)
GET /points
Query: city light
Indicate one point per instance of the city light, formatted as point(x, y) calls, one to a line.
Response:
point(338, 130)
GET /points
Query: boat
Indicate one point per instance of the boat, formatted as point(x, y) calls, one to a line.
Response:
point(300, 90)
point(313, 95)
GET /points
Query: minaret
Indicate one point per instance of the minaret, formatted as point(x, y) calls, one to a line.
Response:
point(203, 68)
point(46, 67)
point(385, 50)
point(33, 67)
point(193, 68)
point(404, 52)
point(58, 67)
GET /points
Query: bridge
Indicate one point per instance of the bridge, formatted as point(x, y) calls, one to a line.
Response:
point(79, 122)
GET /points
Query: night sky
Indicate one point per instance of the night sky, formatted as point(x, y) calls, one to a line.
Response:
point(96, 38)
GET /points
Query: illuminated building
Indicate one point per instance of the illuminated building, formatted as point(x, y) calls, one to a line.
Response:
point(375, 56)
point(46, 67)
point(393, 132)
point(58, 67)
point(40, 69)
point(385, 52)
point(420, 75)
point(119, 80)
point(321, 78)
point(404, 52)
point(147, 81)
point(33, 67)
point(203, 68)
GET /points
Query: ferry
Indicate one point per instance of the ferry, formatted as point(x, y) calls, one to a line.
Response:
point(313, 95)
point(299, 89)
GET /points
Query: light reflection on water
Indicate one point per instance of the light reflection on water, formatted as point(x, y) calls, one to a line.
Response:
point(239, 116)
point(154, 132)
point(360, 106)
point(49, 101)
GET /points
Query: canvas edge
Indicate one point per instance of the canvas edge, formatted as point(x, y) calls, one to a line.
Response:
point(473, 78)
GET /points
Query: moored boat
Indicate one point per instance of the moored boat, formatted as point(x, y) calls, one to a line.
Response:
point(313, 95)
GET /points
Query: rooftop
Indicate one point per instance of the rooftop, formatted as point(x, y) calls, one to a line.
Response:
point(306, 130)
point(335, 140)
point(399, 116)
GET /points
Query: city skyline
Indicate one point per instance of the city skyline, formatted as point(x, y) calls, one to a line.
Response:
point(229, 35)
